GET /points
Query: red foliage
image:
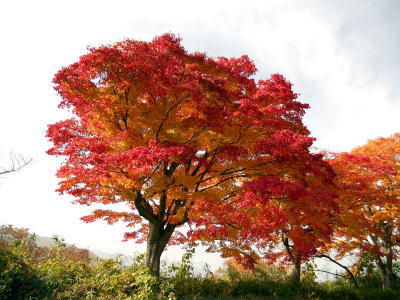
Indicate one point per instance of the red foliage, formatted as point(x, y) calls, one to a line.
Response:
point(181, 137)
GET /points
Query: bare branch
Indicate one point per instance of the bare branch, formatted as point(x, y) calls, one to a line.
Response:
point(351, 276)
point(340, 275)
point(17, 162)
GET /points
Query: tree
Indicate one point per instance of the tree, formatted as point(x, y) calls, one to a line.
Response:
point(174, 135)
point(368, 187)
point(17, 162)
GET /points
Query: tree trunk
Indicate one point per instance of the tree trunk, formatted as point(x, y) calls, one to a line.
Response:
point(389, 283)
point(386, 268)
point(296, 260)
point(157, 240)
point(295, 276)
point(387, 275)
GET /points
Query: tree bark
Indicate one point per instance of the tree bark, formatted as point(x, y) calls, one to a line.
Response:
point(386, 267)
point(387, 275)
point(157, 240)
point(389, 283)
point(295, 276)
point(296, 260)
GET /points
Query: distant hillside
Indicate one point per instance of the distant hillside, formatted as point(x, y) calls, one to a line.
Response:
point(44, 241)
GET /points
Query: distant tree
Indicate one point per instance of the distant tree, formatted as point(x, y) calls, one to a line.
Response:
point(368, 181)
point(177, 137)
point(16, 163)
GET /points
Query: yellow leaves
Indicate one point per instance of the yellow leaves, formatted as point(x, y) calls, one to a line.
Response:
point(179, 216)
point(212, 140)
point(171, 131)
point(127, 183)
point(214, 193)
point(232, 233)
point(177, 193)
point(120, 145)
point(230, 252)
point(123, 181)
point(385, 149)
point(185, 180)
point(381, 216)
point(186, 111)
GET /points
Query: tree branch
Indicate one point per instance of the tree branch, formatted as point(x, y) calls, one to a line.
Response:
point(17, 163)
point(332, 273)
point(352, 278)
point(144, 208)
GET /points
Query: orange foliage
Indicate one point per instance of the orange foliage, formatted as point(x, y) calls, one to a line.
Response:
point(184, 138)
point(369, 198)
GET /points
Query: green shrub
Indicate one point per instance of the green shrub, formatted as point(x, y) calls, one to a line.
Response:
point(17, 279)
point(64, 272)
point(109, 279)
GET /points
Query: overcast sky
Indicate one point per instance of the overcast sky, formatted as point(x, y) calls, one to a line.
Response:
point(342, 57)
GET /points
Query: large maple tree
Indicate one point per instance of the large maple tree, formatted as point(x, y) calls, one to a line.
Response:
point(181, 138)
point(368, 181)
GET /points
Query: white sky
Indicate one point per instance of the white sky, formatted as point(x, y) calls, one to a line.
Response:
point(341, 56)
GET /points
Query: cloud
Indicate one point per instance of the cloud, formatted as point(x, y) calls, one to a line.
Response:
point(341, 56)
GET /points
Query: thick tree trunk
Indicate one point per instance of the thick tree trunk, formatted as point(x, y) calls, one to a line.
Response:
point(386, 267)
point(157, 240)
point(295, 276)
point(387, 275)
point(159, 233)
point(389, 283)
point(153, 257)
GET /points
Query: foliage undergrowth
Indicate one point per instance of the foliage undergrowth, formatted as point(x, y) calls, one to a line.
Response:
point(66, 272)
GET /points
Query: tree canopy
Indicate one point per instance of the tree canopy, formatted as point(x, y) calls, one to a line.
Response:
point(183, 138)
point(368, 195)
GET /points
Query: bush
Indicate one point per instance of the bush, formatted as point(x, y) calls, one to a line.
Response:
point(109, 279)
point(64, 272)
point(17, 279)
